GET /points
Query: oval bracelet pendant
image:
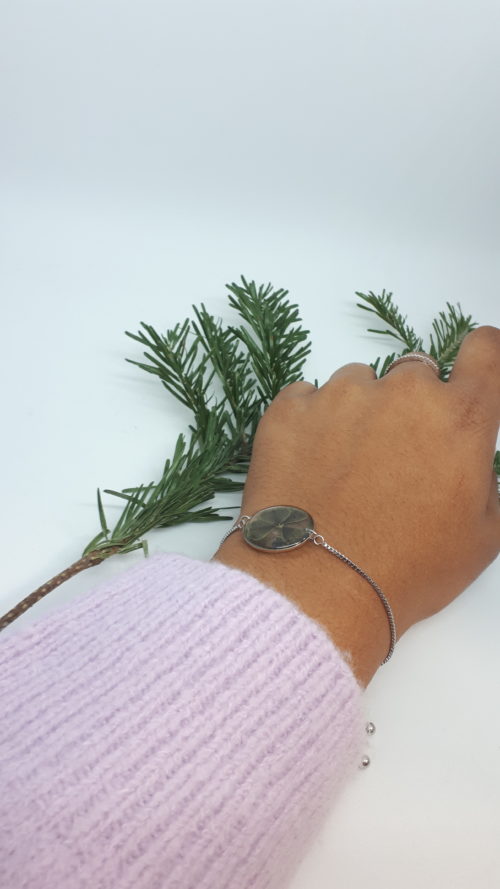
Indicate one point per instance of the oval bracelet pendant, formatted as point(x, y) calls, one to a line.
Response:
point(280, 528)
point(276, 528)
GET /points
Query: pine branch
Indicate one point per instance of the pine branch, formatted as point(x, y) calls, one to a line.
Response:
point(180, 364)
point(449, 331)
point(252, 362)
point(383, 307)
point(277, 349)
point(273, 354)
point(193, 476)
point(186, 359)
point(232, 368)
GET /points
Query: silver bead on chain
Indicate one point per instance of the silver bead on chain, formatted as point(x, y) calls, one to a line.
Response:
point(370, 730)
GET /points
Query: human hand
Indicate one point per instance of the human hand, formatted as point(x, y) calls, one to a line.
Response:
point(398, 475)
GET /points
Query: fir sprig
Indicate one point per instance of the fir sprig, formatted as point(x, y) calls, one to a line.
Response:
point(383, 307)
point(252, 363)
point(183, 368)
point(193, 476)
point(277, 345)
point(233, 370)
point(449, 331)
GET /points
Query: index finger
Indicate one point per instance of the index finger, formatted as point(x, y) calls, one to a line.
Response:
point(477, 369)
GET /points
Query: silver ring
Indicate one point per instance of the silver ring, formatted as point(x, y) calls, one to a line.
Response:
point(415, 356)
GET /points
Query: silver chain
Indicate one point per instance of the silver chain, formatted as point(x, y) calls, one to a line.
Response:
point(319, 540)
point(239, 524)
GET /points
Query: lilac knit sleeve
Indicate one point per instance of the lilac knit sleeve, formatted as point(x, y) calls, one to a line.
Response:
point(181, 726)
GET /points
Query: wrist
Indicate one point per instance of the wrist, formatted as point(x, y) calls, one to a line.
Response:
point(326, 590)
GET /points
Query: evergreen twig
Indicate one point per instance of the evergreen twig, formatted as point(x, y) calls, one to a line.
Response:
point(181, 366)
point(276, 348)
point(383, 307)
point(252, 362)
point(193, 476)
point(233, 370)
point(449, 331)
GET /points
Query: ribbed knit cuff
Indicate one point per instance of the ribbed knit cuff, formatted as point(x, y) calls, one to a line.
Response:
point(180, 726)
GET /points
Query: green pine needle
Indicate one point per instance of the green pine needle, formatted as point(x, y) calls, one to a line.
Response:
point(178, 361)
point(449, 331)
point(383, 307)
point(277, 346)
point(496, 463)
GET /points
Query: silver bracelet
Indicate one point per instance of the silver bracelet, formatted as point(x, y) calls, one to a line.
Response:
point(281, 528)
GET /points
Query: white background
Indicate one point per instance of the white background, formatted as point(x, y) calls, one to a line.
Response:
point(154, 151)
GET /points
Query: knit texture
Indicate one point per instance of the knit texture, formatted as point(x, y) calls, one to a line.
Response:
point(180, 726)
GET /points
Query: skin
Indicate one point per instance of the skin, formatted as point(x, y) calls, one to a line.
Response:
point(397, 473)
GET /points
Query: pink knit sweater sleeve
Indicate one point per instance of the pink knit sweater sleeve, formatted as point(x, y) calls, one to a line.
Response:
point(181, 726)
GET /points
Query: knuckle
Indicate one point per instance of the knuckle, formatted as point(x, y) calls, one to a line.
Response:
point(353, 365)
point(283, 411)
point(347, 388)
point(486, 335)
point(489, 330)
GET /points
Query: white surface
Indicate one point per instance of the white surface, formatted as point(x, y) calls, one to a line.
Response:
point(151, 153)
